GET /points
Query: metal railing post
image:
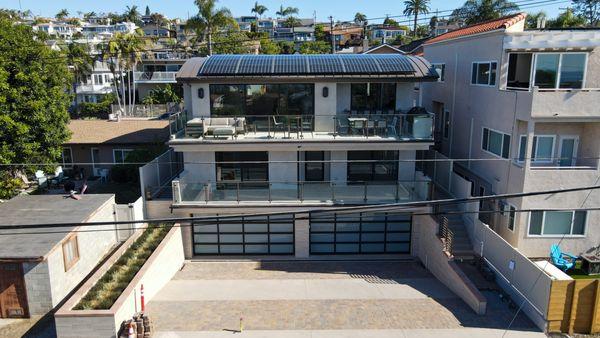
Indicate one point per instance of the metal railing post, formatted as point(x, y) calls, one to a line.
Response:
point(269, 126)
point(335, 132)
point(365, 192)
point(270, 186)
point(237, 184)
point(397, 191)
point(176, 192)
point(301, 191)
point(206, 192)
point(332, 192)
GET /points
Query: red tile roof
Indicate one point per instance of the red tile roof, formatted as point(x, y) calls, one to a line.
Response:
point(486, 26)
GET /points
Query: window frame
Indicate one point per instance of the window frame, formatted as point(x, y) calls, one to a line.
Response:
point(511, 216)
point(559, 70)
point(531, 71)
point(67, 165)
point(570, 235)
point(72, 239)
point(534, 151)
point(488, 142)
point(442, 73)
point(114, 151)
point(490, 62)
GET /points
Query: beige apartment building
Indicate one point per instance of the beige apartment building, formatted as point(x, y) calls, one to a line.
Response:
point(523, 106)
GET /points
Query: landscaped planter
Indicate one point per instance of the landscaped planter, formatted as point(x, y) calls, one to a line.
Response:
point(74, 320)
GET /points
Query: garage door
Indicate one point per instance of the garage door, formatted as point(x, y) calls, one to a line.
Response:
point(360, 233)
point(252, 235)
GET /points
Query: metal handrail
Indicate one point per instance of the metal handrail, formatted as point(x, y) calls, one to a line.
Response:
point(445, 234)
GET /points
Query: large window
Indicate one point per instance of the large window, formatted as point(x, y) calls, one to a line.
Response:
point(496, 142)
point(542, 150)
point(313, 170)
point(554, 70)
point(67, 157)
point(249, 166)
point(519, 70)
point(119, 155)
point(262, 99)
point(373, 97)
point(372, 166)
point(557, 223)
point(484, 73)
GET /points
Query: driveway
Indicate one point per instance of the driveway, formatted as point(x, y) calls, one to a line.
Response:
point(321, 299)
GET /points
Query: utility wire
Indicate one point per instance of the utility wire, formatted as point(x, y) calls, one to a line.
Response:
point(352, 209)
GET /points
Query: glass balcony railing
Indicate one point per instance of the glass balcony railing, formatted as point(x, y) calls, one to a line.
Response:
point(300, 192)
point(401, 126)
point(158, 77)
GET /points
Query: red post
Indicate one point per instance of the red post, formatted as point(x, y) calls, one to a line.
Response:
point(142, 298)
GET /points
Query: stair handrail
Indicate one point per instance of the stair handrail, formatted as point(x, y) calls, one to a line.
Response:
point(445, 234)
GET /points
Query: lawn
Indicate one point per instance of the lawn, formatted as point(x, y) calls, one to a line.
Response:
point(577, 273)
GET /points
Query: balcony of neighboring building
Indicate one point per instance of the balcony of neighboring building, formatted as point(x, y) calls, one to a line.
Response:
point(155, 77)
point(557, 85)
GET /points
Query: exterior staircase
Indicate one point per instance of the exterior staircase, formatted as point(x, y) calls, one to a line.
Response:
point(460, 247)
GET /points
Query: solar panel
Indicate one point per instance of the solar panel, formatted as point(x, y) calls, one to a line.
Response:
point(220, 65)
point(359, 64)
point(290, 64)
point(325, 64)
point(255, 64)
point(393, 63)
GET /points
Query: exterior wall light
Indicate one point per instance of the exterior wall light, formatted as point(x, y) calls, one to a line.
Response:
point(201, 93)
point(325, 91)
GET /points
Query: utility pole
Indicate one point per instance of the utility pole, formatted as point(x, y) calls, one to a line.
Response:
point(331, 35)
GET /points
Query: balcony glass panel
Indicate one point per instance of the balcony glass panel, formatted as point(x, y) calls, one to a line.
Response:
point(546, 70)
point(349, 193)
point(572, 68)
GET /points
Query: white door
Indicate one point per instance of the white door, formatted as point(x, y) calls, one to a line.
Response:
point(95, 159)
point(568, 151)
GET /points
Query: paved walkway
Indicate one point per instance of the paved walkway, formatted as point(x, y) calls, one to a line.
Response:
point(319, 299)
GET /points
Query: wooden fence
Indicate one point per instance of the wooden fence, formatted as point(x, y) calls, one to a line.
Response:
point(574, 306)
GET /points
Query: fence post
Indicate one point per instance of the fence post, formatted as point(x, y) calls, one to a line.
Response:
point(176, 192)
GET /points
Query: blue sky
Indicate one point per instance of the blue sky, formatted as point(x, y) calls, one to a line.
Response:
point(340, 9)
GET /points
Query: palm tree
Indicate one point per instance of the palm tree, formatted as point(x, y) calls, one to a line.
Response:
point(475, 11)
point(88, 15)
point(209, 20)
point(414, 8)
point(132, 14)
point(258, 10)
point(360, 18)
point(281, 12)
point(63, 13)
point(80, 63)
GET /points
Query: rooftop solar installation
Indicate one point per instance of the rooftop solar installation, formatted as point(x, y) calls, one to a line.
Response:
point(298, 65)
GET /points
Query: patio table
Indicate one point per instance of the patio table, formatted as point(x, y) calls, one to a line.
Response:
point(354, 121)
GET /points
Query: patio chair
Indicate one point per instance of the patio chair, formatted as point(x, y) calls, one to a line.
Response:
point(562, 260)
point(392, 127)
point(343, 126)
point(276, 125)
point(41, 178)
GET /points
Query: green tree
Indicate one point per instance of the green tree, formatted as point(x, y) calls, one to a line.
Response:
point(258, 11)
point(147, 12)
point(315, 47)
point(267, 46)
point(320, 33)
point(34, 85)
point(287, 47)
point(88, 15)
point(532, 19)
point(475, 11)
point(209, 20)
point(589, 9)
point(414, 8)
point(231, 43)
point(132, 14)
point(80, 62)
point(62, 14)
point(162, 95)
point(390, 22)
point(360, 19)
point(567, 19)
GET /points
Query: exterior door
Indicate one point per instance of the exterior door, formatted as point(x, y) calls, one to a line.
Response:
point(95, 159)
point(249, 235)
point(360, 233)
point(13, 297)
point(568, 151)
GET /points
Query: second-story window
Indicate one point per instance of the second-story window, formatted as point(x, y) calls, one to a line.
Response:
point(555, 70)
point(373, 97)
point(484, 73)
point(496, 142)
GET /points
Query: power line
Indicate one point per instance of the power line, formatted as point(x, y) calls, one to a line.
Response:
point(352, 209)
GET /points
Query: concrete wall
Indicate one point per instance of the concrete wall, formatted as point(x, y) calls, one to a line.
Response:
point(92, 247)
point(37, 286)
point(339, 170)
point(199, 167)
point(283, 172)
point(325, 107)
point(200, 107)
point(430, 252)
point(162, 265)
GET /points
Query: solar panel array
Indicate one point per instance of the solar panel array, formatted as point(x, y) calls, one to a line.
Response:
point(328, 64)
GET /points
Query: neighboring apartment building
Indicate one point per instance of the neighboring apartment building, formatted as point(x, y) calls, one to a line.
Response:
point(385, 33)
point(526, 101)
point(157, 68)
point(37, 271)
point(58, 29)
point(289, 132)
point(95, 86)
point(106, 31)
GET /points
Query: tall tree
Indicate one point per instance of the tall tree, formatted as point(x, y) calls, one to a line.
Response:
point(62, 14)
point(34, 98)
point(360, 18)
point(258, 11)
point(132, 14)
point(209, 20)
point(532, 19)
point(281, 12)
point(147, 12)
point(414, 8)
point(80, 62)
point(567, 19)
point(475, 11)
point(589, 9)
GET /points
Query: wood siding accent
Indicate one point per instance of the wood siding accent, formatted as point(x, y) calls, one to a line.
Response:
point(574, 306)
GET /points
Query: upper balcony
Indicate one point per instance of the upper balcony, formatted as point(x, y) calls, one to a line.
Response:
point(154, 77)
point(325, 130)
point(104, 88)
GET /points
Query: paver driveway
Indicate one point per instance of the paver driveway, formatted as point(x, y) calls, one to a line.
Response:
point(304, 298)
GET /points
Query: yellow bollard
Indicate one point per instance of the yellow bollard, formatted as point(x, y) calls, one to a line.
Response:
point(241, 324)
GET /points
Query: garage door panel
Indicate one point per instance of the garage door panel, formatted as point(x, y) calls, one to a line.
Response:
point(206, 238)
point(206, 249)
point(359, 233)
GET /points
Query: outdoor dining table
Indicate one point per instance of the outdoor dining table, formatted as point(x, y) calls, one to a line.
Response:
point(354, 122)
point(297, 119)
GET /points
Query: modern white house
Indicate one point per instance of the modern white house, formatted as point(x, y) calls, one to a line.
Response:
point(268, 133)
point(523, 105)
point(157, 68)
point(93, 87)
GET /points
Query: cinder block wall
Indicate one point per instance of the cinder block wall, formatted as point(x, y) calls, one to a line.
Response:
point(37, 286)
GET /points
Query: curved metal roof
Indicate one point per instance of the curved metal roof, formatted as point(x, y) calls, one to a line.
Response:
point(320, 65)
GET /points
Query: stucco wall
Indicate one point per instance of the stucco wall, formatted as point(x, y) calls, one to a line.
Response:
point(199, 167)
point(37, 286)
point(325, 107)
point(200, 107)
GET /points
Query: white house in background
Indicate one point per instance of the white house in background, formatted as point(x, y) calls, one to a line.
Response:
point(91, 30)
point(288, 132)
point(58, 29)
point(93, 87)
point(527, 101)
